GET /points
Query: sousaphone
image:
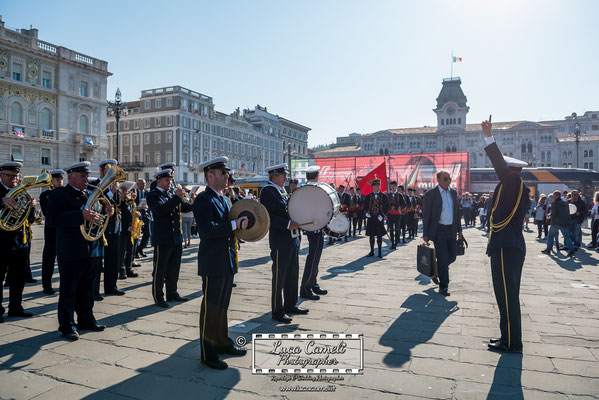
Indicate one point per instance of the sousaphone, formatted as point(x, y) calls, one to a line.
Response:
point(258, 219)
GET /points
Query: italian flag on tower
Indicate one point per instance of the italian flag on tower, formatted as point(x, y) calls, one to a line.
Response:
point(457, 59)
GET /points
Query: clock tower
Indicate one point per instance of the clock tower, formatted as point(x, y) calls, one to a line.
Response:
point(451, 107)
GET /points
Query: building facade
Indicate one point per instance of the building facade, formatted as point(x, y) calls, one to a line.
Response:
point(52, 103)
point(541, 144)
point(175, 124)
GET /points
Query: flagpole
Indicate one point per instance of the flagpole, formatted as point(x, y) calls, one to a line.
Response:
point(451, 76)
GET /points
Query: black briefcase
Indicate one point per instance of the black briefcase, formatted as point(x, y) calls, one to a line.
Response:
point(426, 261)
point(462, 246)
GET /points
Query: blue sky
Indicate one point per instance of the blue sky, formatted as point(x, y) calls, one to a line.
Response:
point(339, 66)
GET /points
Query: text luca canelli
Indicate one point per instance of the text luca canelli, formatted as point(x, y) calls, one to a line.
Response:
point(313, 354)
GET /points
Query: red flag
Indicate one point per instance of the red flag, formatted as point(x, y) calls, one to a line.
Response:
point(379, 172)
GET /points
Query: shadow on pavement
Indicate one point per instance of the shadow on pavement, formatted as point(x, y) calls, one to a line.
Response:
point(426, 313)
point(512, 364)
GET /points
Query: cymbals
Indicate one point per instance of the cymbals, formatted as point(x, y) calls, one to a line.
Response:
point(259, 220)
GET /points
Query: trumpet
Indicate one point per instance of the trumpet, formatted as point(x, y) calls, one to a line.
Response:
point(97, 201)
point(13, 219)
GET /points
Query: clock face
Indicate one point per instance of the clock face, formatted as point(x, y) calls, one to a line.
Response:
point(450, 110)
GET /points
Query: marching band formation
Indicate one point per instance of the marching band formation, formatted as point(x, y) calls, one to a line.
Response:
point(102, 225)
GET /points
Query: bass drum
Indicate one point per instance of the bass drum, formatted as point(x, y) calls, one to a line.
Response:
point(338, 227)
point(313, 205)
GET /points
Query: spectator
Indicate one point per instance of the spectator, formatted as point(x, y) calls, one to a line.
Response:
point(560, 221)
point(595, 221)
point(577, 218)
point(540, 214)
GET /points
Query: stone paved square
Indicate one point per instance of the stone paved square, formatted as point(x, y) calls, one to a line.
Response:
point(417, 344)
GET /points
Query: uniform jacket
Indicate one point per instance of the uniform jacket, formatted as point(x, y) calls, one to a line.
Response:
point(13, 240)
point(44, 200)
point(371, 207)
point(65, 205)
point(275, 202)
point(396, 202)
point(511, 235)
point(164, 206)
point(218, 251)
point(433, 205)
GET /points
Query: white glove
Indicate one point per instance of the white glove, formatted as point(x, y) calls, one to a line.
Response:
point(380, 218)
point(367, 215)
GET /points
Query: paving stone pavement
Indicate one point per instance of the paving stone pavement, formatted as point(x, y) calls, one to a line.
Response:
point(417, 344)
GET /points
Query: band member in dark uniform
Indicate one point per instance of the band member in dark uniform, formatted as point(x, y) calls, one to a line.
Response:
point(142, 207)
point(78, 259)
point(411, 213)
point(309, 288)
point(217, 262)
point(167, 236)
point(403, 213)
point(126, 243)
point(14, 245)
point(49, 254)
point(376, 208)
point(394, 216)
point(360, 216)
point(167, 165)
point(352, 205)
point(506, 247)
point(283, 238)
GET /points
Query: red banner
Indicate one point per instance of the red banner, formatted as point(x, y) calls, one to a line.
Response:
point(419, 169)
point(380, 173)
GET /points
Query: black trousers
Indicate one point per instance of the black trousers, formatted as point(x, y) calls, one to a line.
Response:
point(393, 223)
point(127, 250)
point(13, 266)
point(403, 223)
point(77, 280)
point(446, 250)
point(467, 213)
point(410, 224)
point(112, 258)
point(506, 271)
point(285, 274)
point(167, 262)
point(145, 235)
point(48, 256)
point(542, 226)
point(594, 230)
point(315, 244)
point(214, 329)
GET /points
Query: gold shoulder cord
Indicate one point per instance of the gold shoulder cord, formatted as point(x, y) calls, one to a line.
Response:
point(499, 226)
point(236, 243)
point(180, 220)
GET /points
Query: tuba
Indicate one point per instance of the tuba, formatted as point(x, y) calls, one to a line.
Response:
point(13, 219)
point(97, 201)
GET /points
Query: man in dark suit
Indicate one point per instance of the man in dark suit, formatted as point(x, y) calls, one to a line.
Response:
point(394, 215)
point(15, 251)
point(78, 259)
point(142, 207)
point(506, 243)
point(283, 238)
point(49, 253)
point(441, 224)
point(361, 199)
point(354, 202)
point(376, 207)
point(217, 262)
point(126, 243)
point(166, 207)
point(488, 209)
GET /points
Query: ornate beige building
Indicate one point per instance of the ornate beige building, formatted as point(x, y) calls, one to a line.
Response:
point(52, 103)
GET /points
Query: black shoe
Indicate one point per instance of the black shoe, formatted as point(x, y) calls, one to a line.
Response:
point(98, 297)
point(142, 254)
point(370, 254)
point(494, 340)
point(309, 296)
point(94, 327)
point(73, 335)
point(131, 274)
point(591, 246)
point(297, 310)
point(546, 251)
point(122, 275)
point(1, 319)
point(49, 291)
point(318, 290)
point(31, 280)
point(502, 348)
point(135, 264)
point(22, 313)
point(380, 255)
point(234, 351)
point(571, 253)
point(403, 241)
point(284, 319)
point(177, 298)
point(216, 364)
point(161, 303)
point(234, 285)
point(345, 239)
point(393, 247)
point(114, 292)
point(435, 280)
point(444, 292)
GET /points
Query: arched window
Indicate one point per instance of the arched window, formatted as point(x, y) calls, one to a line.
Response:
point(569, 154)
point(386, 151)
point(448, 149)
point(83, 124)
point(381, 151)
point(46, 118)
point(523, 148)
point(530, 147)
point(16, 113)
point(591, 153)
point(454, 148)
point(586, 153)
point(564, 155)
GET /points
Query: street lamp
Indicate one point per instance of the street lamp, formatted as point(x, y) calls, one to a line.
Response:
point(117, 108)
point(577, 135)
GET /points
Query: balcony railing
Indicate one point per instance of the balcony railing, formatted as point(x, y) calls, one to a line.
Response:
point(48, 134)
point(86, 140)
point(132, 165)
